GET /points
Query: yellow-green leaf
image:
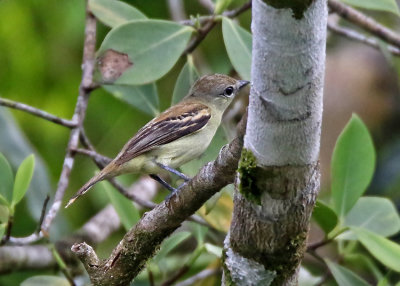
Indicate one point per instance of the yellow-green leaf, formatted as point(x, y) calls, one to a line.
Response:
point(23, 179)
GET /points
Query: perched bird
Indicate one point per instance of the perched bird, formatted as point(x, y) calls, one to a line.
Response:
point(178, 135)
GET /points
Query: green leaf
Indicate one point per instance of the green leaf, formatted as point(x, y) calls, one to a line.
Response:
point(170, 243)
point(324, 216)
point(221, 5)
point(238, 45)
point(2, 229)
point(213, 249)
point(212, 202)
point(199, 232)
point(344, 276)
point(375, 214)
point(45, 280)
point(364, 261)
point(23, 179)
point(6, 181)
point(380, 5)
point(141, 51)
point(113, 13)
point(4, 213)
point(143, 97)
point(124, 207)
point(381, 248)
point(353, 164)
point(186, 79)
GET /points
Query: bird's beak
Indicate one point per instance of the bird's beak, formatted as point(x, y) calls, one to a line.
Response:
point(243, 83)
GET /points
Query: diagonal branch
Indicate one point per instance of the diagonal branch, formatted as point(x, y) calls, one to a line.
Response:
point(37, 112)
point(354, 35)
point(365, 22)
point(141, 242)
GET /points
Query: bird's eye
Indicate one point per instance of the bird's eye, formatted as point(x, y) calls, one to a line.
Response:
point(228, 91)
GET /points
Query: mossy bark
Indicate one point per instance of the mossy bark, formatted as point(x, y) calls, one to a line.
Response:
point(278, 176)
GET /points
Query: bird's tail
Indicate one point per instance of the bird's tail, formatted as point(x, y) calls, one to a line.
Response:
point(102, 175)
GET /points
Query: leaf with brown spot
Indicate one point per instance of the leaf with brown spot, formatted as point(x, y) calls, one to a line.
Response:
point(112, 65)
point(142, 51)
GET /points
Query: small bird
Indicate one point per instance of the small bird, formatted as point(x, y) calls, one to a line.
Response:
point(178, 135)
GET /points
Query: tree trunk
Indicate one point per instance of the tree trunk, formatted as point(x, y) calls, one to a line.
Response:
point(278, 177)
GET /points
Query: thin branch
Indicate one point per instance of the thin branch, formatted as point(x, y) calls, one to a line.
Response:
point(97, 157)
point(354, 35)
point(140, 243)
point(85, 89)
point(37, 112)
point(365, 22)
point(209, 23)
point(199, 276)
point(42, 214)
point(207, 4)
point(176, 10)
point(314, 246)
point(7, 236)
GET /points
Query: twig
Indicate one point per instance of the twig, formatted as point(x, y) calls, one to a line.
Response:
point(7, 236)
point(315, 245)
point(208, 4)
point(353, 35)
point(230, 14)
point(46, 201)
point(201, 34)
point(37, 112)
point(209, 23)
point(85, 89)
point(365, 22)
point(176, 10)
point(151, 277)
point(199, 276)
point(62, 265)
point(94, 155)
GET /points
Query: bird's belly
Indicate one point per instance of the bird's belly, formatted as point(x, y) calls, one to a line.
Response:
point(179, 152)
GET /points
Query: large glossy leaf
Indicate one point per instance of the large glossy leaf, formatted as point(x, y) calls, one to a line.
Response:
point(344, 276)
point(113, 13)
point(380, 5)
point(141, 51)
point(381, 248)
point(6, 180)
point(186, 79)
point(23, 179)
point(375, 214)
point(125, 209)
point(45, 280)
point(324, 216)
point(170, 243)
point(238, 45)
point(143, 97)
point(353, 164)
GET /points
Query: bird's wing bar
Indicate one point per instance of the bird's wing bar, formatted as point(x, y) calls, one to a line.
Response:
point(166, 128)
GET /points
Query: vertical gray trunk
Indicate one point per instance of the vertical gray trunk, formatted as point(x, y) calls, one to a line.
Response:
point(278, 177)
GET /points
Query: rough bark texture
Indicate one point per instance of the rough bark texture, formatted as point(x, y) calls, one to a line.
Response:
point(278, 177)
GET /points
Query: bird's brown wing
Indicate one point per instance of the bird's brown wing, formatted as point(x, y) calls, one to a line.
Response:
point(166, 128)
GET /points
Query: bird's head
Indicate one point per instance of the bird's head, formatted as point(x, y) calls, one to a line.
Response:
point(216, 89)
